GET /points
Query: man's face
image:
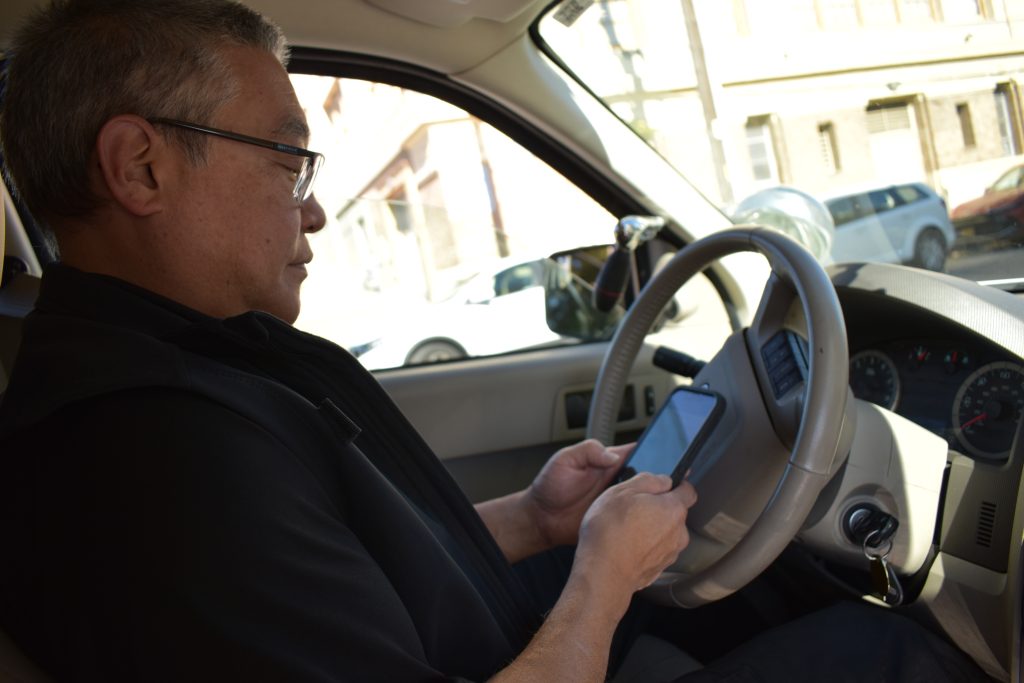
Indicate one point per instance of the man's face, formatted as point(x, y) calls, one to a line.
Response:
point(246, 233)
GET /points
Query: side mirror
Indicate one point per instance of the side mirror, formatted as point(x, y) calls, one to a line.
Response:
point(568, 294)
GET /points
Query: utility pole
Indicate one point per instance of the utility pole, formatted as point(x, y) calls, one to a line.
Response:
point(707, 100)
point(626, 58)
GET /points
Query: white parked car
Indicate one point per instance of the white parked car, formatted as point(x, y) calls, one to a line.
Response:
point(906, 223)
point(509, 297)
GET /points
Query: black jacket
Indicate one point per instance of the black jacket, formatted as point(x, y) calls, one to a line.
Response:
point(186, 498)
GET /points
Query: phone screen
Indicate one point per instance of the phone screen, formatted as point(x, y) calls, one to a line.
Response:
point(675, 435)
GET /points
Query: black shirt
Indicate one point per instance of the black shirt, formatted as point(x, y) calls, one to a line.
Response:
point(185, 498)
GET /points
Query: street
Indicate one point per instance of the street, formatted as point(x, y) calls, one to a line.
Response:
point(995, 265)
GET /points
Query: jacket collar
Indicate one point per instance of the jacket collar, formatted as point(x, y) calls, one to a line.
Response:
point(92, 334)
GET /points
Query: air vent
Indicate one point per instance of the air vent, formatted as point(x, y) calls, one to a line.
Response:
point(986, 524)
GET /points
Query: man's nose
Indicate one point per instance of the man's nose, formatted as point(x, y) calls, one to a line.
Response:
point(313, 216)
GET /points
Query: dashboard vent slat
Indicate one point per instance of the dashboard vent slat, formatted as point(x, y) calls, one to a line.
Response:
point(986, 524)
point(785, 361)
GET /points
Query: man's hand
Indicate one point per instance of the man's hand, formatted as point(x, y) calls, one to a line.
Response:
point(630, 533)
point(633, 531)
point(567, 485)
point(549, 512)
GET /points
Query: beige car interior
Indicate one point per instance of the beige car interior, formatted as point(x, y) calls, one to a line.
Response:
point(493, 407)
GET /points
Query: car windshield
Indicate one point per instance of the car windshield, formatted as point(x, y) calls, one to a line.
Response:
point(902, 116)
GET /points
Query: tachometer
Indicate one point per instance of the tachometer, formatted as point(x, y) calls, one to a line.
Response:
point(873, 378)
point(988, 408)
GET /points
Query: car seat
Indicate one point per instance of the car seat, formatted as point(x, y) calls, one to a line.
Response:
point(15, 667)
point(16, 297)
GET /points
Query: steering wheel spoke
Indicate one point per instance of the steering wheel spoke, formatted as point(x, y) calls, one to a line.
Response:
point(777, 343)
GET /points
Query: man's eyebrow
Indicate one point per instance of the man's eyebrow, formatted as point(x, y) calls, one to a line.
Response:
point(293, 126)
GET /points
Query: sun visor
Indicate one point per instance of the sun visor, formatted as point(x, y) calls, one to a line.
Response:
point(448, 13)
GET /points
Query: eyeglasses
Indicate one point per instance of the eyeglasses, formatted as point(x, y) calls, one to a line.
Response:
point(311, 161)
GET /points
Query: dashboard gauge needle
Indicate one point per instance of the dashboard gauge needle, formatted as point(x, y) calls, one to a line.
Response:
point(974, 419)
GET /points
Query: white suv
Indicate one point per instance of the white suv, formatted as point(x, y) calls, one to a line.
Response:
point(898, 224)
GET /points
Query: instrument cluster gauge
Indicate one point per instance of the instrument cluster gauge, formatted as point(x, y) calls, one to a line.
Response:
point(956, 361)
point(987, 410)
point(873, 378)
point(918, 356)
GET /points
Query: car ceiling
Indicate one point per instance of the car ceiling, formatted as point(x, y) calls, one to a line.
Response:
point(454, 12)
point(449, 36)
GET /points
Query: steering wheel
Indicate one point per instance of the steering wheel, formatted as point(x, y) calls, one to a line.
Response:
point(787, 424)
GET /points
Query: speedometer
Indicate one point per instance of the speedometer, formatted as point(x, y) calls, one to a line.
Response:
point(988, 408)
point(873, 377)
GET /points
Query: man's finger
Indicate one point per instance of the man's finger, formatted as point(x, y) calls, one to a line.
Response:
point(623, 450)
point(646, 482)
point(603, 457)
point(687, 494)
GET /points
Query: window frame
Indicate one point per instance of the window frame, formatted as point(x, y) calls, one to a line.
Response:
point(588, 179)
point(322, 62)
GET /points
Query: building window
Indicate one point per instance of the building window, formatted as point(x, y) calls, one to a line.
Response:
point(398, 204)
point(878, 12)
point(332, 102)
point(954, 11)
point(790, 16)
point(1009, 134)
point(963, 112)
point(439, 229)
point(838, 14)
point(914, 11)
point(763, 163)
point(829, 147)
point(886, 117)
point(772, 17)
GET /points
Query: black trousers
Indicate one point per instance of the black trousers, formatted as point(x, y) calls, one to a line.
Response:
point(844, 643)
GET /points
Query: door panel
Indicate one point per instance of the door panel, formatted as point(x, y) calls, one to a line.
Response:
point(495, 421)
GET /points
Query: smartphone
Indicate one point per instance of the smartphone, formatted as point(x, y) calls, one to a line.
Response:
point(673, 438)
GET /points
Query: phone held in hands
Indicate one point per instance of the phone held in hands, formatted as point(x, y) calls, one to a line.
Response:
point(674, 437)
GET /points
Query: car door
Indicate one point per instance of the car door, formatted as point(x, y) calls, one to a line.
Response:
point(861, 234)
point(434, 174)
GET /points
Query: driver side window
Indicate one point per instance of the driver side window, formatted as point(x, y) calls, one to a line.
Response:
point(437, 227)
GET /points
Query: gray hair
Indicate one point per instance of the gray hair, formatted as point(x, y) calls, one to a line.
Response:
point(75, 64)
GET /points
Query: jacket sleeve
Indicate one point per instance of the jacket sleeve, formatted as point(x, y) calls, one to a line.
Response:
point(184, 542)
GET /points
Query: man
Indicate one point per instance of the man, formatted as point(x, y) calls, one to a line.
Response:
point(213, 495)
point(190, 489)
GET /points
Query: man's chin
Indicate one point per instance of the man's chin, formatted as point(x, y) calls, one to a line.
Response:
point(285, 307)
point(290, 315)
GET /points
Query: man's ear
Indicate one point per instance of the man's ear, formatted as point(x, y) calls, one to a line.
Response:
point(127, 149)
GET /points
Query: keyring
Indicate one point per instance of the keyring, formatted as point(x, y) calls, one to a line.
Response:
point(868, 554)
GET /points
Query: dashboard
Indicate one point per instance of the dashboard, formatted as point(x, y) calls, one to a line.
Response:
point(945, 354)
point(958, 388)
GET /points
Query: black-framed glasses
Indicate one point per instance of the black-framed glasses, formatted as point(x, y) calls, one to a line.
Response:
point(311, 161)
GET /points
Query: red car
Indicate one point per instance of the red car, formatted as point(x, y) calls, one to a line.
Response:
point(996, 219)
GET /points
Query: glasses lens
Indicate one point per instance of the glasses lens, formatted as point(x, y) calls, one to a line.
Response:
point(307, 174)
